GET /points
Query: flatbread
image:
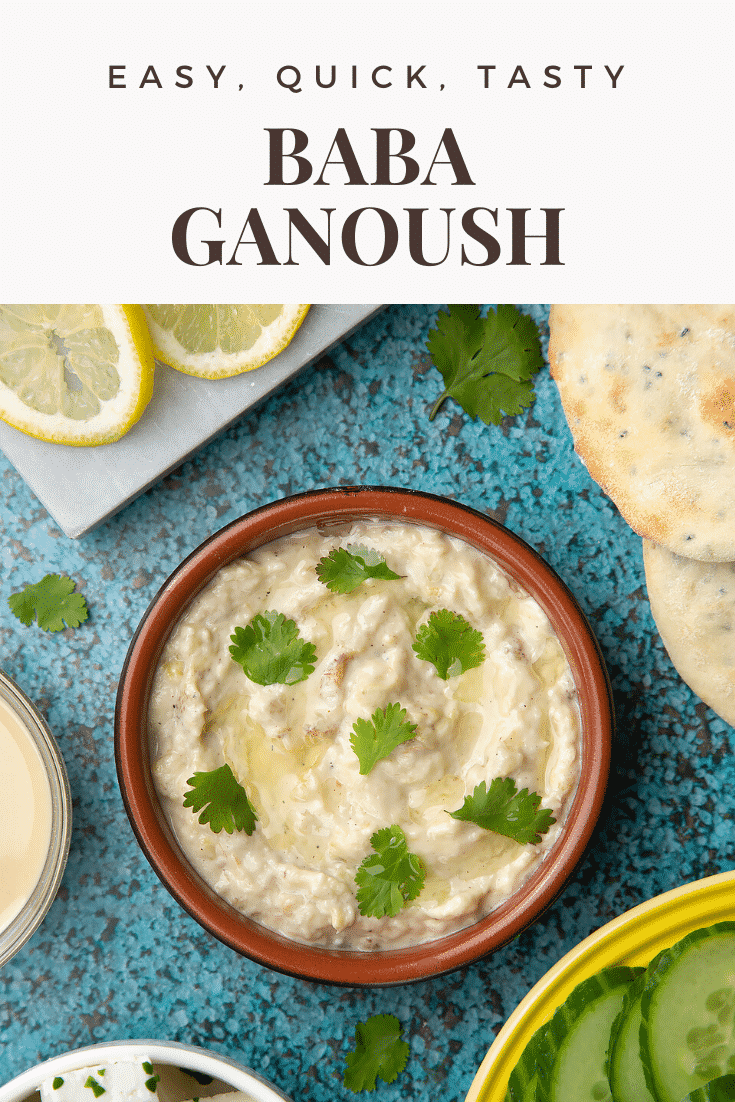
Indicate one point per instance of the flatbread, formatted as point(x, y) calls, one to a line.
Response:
point(649, 394)
point(693, 604)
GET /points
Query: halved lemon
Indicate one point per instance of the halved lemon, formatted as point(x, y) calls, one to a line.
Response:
point(215, 342)
point(77, 375)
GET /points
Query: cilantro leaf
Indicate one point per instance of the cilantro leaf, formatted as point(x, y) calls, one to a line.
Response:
point(270, 651)
point(225, 802)
point(450, 643)
point(487, 363)
point(504, 810)
point(345, 568)
point(389, 877)
point(379, 1051)
point(377, 737)
point(52, 601)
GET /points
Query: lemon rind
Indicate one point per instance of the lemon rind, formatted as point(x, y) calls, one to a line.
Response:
point(221, 365)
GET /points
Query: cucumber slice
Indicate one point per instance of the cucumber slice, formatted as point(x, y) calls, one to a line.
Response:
point(529, 1092)
point(572, 1064)
point(524, 1077)
point(624, 1067)
point(721, 1089)
point(688, 1006)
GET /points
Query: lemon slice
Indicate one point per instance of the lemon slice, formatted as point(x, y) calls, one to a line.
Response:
point(74, 374)
point(214, 342)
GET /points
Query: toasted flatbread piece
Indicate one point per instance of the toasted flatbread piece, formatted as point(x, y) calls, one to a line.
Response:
point(693, 604)
point(649, 394)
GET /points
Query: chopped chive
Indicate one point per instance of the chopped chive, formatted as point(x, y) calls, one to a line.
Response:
point(96, 1088)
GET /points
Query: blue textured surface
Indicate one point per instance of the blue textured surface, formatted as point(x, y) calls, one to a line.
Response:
point(116, 957)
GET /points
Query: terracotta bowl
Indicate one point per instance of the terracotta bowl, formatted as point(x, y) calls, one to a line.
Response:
point(340, 506)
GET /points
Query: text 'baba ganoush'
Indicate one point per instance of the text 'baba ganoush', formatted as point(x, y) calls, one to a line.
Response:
point(315, 807)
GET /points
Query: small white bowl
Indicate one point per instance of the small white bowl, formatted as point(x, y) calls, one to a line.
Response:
point(163, 1054)
point(31, 914)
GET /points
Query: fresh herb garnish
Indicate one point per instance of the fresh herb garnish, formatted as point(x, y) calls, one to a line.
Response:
point(377, 737)
point(379, 1051)
point(97, 1089)
point(389, 877)
point(450, 643)
point(270, 651)
point(345, 568)
point(52, 601)
point(504, 810)
point(58, 1082)
point(225, 802)
point(152, 1082)
point(487, 363)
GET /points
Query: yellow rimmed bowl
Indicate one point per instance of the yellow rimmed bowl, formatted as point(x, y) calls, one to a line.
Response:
point(632, 939)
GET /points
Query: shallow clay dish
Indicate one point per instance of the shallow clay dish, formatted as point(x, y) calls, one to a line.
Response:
point(337, 507)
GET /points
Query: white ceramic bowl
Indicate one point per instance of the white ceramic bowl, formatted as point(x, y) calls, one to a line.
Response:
point(164, 1054)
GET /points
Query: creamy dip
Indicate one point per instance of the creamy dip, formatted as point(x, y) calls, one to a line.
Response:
point(515, 716)
point(25, 816)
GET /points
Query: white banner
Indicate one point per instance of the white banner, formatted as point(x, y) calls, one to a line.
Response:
point(382, 151)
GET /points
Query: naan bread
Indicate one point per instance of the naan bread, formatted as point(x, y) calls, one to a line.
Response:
point(649, 394)
point(693, 604)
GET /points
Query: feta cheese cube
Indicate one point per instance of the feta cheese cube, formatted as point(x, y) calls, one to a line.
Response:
point(118, 1081)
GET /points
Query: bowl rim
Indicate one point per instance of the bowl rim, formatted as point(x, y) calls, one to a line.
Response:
point(334, 506)
point(199, 1059)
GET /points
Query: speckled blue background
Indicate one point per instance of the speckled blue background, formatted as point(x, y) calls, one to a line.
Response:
point(116, 957)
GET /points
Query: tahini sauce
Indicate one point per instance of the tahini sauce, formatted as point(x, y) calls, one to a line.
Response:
point(25, 816)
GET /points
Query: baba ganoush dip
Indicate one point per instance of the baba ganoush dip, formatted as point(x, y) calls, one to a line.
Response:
point(516, 715)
